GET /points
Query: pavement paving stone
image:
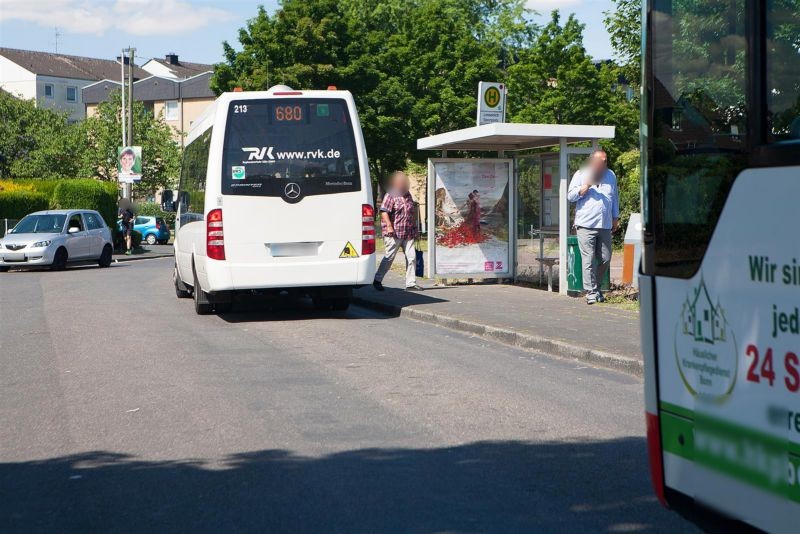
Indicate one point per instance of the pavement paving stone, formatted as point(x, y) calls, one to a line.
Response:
point(520, 316)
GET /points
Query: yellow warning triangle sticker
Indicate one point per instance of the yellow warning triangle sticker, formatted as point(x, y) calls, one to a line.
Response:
point(349, 251)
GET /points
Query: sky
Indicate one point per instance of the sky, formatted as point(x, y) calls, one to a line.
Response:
point(194, 29)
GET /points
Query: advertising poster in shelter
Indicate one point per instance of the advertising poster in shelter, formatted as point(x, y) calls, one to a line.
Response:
point(472, 217)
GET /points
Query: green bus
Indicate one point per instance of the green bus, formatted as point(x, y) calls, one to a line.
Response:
point(720, 272)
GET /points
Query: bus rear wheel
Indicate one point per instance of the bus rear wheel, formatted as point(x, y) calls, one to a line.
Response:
point(181, 290)
point(202, 306)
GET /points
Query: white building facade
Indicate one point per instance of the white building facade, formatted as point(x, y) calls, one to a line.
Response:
point(54, 81)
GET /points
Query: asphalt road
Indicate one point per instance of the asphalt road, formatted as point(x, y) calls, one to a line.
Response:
point(121, 410)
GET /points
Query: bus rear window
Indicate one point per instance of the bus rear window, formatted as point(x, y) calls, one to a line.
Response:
point(270, 144)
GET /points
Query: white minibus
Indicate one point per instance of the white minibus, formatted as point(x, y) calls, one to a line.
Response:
point(275, 194)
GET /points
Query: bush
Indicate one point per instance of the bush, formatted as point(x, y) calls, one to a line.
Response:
point(153, 209)
point(88, 195)
point(17, 204)
point(45, 187)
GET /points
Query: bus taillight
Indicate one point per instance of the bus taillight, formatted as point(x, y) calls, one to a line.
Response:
point(654, 455)
point(367, 229)
point(215, 236)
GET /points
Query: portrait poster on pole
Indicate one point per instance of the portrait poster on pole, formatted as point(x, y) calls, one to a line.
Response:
point(472, 217)
point(129, 164)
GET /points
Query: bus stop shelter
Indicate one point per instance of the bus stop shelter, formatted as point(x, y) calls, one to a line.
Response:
point(505, 140)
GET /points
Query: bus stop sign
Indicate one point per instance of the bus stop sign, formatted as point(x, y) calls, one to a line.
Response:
point(491, 102)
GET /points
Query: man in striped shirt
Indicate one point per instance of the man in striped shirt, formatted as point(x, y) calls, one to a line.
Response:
point(399, 228)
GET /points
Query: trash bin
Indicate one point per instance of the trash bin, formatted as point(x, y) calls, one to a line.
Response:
point(632, 253)
point(575, 270)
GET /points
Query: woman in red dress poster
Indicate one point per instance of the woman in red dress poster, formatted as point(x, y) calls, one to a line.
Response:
point(474, 213)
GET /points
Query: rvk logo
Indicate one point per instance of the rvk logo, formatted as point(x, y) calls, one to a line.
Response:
point(258, 154)
point(705, 346)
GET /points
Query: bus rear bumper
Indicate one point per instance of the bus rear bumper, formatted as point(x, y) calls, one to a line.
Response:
point(229, 276)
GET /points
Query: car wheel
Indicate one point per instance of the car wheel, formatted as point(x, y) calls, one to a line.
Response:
point(201, 304)
point(151, 239)
point(105, 257)
point(181, 291)
point(60, 260)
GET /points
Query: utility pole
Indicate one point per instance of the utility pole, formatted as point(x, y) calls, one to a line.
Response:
point(123, 112)
point(57, 35)
point(130, 96)
point(127, 125)
point(123, 109)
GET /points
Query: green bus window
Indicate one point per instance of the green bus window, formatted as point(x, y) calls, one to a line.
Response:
point(698, 129)
point(783, 70)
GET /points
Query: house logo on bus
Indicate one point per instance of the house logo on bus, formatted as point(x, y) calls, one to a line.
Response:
point(705, 346)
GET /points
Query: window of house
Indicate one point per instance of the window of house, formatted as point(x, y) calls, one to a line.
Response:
point(171, 110)
point(49, 90)
point(677, 118)
point(72, 94)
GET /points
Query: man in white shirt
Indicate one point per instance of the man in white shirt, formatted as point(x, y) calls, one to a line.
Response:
point(594, 191)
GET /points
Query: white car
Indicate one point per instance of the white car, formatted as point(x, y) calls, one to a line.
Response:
point(55, 238)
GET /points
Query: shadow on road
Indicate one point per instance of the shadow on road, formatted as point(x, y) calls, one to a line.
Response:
point(253, 309)
point(484, 486)
point(392, 300)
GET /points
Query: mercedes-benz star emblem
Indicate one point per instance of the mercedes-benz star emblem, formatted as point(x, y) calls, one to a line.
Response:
point(292, 190)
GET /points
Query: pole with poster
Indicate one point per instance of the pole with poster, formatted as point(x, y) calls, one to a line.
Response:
point(469, 206)
point(122, 113)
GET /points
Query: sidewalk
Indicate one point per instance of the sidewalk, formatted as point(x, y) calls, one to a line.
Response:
point(601, 334)
point(146, 252)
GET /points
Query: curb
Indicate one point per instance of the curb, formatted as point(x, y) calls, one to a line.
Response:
point(527, 342)
point(136, 257)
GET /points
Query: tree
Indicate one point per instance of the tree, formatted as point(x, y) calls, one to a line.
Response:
point(555, 81)
point(624, 25)
point(413, 66)
point(35, 142)
point(102, 134)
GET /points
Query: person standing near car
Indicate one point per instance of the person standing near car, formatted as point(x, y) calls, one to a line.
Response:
point(594, 191)
point(399, 229)
point(126, 217)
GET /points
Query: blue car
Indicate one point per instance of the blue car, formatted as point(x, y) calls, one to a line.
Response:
point(153, 229)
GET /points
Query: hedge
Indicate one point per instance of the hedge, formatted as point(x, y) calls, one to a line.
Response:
point(45, 187)
point(17, 204)
point(88, 195)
